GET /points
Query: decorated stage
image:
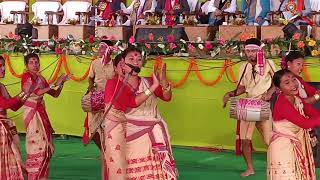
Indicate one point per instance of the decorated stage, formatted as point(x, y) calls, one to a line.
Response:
point(195, 115)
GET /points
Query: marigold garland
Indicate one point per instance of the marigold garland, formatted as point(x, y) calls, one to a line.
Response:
point(62, 60)
point(193, 66)
point(209, 83)
point(7, 59)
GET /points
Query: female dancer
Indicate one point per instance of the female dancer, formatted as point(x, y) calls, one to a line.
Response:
point(294, 62)
point(120, 96)
point(10, 158)
point(39, 143)
point(290, 152)
point(149, 153)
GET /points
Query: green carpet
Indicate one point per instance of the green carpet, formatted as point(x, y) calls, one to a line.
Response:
point(73, 161)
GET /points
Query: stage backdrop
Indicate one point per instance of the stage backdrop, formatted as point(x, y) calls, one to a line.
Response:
point(195, 115)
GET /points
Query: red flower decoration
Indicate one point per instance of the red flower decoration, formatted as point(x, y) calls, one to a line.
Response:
point(296, 36)
point(300, 44)
point(208, 46)
point(170, 38)
point(91, 39)
point(148, 46)
point(132, 40)
point(58, 51)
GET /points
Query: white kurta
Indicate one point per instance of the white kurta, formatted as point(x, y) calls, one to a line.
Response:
point(209, 7)
point(129, 10)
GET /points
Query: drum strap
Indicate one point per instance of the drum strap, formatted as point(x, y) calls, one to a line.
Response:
point(242, 75)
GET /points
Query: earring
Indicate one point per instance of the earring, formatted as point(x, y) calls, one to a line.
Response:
point(288, 66)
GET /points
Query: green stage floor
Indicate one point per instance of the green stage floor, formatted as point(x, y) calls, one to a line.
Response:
point(73, 161)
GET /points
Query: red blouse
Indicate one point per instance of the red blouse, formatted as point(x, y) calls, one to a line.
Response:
point(28, 81)
point(307, 87)
point(11, 103)
point(284, 110)
point(126, 98)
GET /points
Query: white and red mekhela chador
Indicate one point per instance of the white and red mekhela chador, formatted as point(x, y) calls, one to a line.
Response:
point(149, 152)
point(39, 144)
point(10, 157)
point(290, 151)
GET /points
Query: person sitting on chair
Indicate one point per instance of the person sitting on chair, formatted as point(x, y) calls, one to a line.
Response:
point(138, 9)
point(256, 11)
point(315, 6)
point(297, 10)
point(214, 9)
point(172, 8)
point(108, 7)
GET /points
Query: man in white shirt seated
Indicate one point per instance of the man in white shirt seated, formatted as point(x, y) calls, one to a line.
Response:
point(138, 9)
point(71, 7)
point(194, 5)
point(315, 6)
point(7, 6)
point(215, 8)
point(40, 7)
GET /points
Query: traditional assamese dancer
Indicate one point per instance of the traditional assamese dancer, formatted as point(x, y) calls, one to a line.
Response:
point(101, 70)
point(290, 151)
point(11, 166)
point(255, 80)
point(122, 97)
point(39, 143)
point(294, 62)
point(149, 153)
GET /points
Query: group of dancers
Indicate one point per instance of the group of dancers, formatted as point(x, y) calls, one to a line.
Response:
point(132, 136)
point(289, 132)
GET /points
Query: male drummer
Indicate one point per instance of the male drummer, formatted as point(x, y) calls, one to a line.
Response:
point(101, 70)
point(257, 84)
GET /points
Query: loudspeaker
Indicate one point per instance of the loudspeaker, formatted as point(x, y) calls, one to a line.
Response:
point(26, 29)
point(177, 32)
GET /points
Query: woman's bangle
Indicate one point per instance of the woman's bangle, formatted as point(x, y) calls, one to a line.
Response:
point(316, 97)
point(21, 95)
point(52, 86)
point(147, 92)
point(166, 89)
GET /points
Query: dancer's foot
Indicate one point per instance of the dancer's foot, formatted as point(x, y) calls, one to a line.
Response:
point(247, 173)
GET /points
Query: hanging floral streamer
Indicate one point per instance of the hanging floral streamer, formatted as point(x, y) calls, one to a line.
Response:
point(226, 69)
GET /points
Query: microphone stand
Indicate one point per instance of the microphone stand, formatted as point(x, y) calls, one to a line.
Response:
point(125, 81)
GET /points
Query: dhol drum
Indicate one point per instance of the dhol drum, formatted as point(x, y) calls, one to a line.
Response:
point(93, 101)
point(247, 109)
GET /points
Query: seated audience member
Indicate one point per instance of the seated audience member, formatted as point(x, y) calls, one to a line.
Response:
point(138, 9)
point(256, 11)
point(297, 10)
point(214, 9)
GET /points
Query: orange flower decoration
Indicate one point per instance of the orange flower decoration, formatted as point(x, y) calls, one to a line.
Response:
point(244, 37)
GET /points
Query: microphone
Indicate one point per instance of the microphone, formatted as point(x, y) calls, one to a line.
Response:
point(134, 68)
